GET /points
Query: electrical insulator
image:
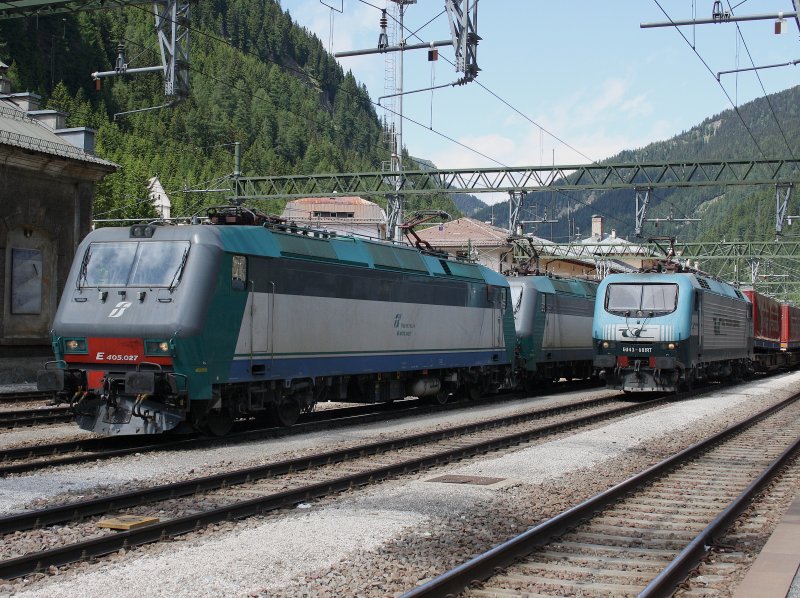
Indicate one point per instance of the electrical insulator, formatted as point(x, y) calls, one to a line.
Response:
point(383, 38)
point(718, 13)
point(120, 65)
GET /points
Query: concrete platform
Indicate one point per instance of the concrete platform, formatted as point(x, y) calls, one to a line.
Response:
point(775, 572)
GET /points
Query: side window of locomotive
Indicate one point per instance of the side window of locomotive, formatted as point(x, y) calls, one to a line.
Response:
point(496, 296)
point(239, 273)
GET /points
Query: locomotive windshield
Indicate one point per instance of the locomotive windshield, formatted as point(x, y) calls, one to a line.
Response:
point(641, 299)
point(133, 264)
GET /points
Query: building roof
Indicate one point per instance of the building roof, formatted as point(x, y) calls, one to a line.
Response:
point(464, 231)
point(348, 200)
point(20, 131)
point(613, 244)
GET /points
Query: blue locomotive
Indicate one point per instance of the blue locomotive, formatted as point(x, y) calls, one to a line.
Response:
point(662, 331)
point(190, 327)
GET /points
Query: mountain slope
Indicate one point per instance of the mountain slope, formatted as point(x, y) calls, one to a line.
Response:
point(720, 137)
point(256, 78)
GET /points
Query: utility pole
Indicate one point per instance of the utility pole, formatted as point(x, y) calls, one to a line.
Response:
point(172, 28)
point(463, 16)
point(396, 204)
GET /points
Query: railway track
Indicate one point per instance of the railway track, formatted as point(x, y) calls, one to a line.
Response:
point(35, 457)
point(645, 535)
point(203, 501)
point(24, 396)
point(35, 417)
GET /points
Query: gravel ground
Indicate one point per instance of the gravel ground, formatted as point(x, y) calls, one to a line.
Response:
point(18, 387)
point(25, 491)
point(794, 591)
point(34, 435)
point(385, 539)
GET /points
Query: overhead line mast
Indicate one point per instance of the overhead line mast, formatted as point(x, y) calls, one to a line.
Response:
point(463, 16)
point(172, 29)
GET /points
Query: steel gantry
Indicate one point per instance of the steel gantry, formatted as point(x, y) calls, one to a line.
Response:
point(737, 261)
point(524, 178)
point(706, 251)
point(172, 29)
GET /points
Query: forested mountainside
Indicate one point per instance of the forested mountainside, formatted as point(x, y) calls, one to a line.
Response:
point(468, 204)
point(256, 78)
point(735, 213)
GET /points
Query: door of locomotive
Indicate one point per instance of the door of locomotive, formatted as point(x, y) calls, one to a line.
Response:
point(498, 299)
point(697, 321)
point(263, 323)
point(259, 317)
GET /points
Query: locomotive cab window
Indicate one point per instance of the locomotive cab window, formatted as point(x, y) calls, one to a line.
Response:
point(496, 296)
point(134, 264)
point(239, 272)
point(640, 300)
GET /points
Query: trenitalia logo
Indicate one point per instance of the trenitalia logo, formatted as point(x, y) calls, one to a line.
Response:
point(119, 309)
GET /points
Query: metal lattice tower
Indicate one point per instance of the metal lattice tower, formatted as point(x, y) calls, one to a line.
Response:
point(393, 111)
point(172, 28)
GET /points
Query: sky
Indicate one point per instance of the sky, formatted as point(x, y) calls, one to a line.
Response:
point(584, 80)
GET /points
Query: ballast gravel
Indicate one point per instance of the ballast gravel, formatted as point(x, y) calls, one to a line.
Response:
point(36, 435)
point(385, 539)
point(19, 492)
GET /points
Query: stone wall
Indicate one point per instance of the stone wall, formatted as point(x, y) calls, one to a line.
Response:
point(42, 219)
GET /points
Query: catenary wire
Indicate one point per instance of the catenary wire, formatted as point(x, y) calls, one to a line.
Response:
point(404, 117)
point(761, 83)
point(722, 87)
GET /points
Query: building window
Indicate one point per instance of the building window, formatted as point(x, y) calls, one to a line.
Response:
point(26, 281)
point(333, 214)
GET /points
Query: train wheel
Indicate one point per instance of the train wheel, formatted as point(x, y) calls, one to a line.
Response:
point(219, 423)
point(286, 411)
point(441, 397)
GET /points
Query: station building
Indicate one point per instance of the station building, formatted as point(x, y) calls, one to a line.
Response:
point(493, 247)
point(47, 185)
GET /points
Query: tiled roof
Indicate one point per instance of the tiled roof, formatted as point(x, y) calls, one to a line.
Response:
point(459, 233)
point(18, 130)
point(344, 200)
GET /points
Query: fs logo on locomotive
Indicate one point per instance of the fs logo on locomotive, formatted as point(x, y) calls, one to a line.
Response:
point(119, 309)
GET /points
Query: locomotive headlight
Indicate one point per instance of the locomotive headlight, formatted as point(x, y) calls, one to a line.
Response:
point(672, 346)
point(75, 345)
point(156, 347)
point(605, 345)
